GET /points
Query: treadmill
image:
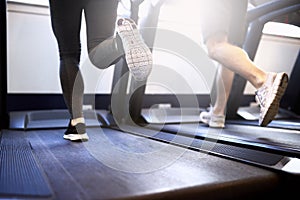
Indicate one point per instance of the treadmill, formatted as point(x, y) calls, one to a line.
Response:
point(275, 147)
point(185, 134)
point(131, 117)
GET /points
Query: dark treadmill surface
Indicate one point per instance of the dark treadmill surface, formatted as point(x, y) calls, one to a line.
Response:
point(293, 124)
point(277, 138)
point(117, 165)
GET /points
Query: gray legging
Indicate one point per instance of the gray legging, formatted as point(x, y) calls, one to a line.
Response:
point(103, 48)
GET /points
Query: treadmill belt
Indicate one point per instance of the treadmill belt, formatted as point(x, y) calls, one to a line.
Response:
point(285, 142)
point(212, 146)
point(240, 153)
point(283, 124)
point(20, 174)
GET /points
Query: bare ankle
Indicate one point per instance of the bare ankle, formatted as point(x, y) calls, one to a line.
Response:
point(218, 111)
point(261, 80)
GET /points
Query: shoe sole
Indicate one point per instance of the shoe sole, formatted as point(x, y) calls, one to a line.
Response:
point(137, 54)
point(77, 137)
point(212, 124)
point(280, 85)
point(216, 125)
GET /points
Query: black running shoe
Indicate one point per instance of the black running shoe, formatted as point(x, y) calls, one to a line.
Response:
point(76, 133)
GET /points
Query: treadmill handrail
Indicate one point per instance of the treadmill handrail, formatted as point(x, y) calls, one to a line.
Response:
point(255, 28)
point(272, 15)
point(263, 9)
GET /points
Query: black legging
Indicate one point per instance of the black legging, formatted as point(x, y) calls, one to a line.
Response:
point(103, 48)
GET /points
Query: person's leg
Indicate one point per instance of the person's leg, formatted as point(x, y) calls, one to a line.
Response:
point(66, 21)
point(104, 48)
point(270, 86)
point(214, 31)
point(216, 116)
point(224, 79)
point(236, 60)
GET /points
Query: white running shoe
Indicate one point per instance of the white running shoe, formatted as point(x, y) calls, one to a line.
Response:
point(77, 137)
point(269, 96)
point(214, 121)
point(137, 54)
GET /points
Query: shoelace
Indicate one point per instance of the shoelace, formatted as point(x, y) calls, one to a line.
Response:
point(261, 94)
